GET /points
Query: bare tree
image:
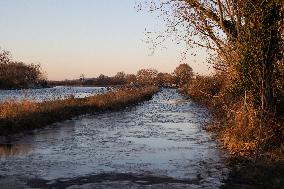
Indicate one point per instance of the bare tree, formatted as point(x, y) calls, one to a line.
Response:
point(147, 76)
point(246, 35)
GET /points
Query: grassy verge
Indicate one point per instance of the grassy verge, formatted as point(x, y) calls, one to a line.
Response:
point(237, 128)
point(20, 116)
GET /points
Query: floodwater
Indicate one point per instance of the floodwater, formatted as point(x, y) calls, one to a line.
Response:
point(157, 144)
point(59, 92)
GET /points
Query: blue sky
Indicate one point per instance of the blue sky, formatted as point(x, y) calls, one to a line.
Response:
point(71, 37)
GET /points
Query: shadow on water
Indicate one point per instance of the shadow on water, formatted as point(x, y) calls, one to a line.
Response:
point(110, 177)
point(19, 145)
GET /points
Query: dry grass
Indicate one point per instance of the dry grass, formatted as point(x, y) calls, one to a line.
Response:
point(20, 116)
point(237, 126)
point(236, 121)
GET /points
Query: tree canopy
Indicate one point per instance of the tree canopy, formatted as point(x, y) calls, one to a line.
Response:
point(14, 75)
point(183, 73)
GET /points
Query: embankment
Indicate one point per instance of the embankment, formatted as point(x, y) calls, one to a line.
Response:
point(25, 115)
point(256, 153)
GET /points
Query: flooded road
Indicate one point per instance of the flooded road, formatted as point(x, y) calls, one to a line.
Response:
point(157, 144)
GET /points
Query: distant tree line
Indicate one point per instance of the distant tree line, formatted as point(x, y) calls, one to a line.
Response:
point(18, 75)
point(182, 74)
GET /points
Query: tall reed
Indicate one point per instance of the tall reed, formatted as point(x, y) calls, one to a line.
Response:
point(24, 115)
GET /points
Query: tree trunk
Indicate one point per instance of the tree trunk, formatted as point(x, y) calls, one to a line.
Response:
point(266, 89)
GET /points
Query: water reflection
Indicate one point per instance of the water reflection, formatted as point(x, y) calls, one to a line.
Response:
point(9, 150)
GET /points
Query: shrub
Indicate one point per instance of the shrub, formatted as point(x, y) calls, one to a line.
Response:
point(239, 122)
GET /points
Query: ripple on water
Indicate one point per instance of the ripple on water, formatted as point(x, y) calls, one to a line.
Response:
point(161, 138)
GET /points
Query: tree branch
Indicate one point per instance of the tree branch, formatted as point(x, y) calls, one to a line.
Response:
point(227, 26)
point(221, 14)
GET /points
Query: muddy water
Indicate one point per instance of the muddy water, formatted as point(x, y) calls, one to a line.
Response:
point(157, 144)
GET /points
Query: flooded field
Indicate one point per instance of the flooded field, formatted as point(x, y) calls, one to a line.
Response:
point(157, 144)
point(59, 92)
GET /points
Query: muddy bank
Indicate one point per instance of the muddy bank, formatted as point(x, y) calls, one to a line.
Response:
point(157, 144)
point(250, 175)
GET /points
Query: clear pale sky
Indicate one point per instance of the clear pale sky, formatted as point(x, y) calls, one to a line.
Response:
point(73, 37)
